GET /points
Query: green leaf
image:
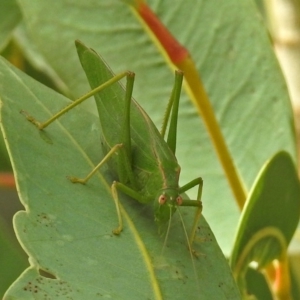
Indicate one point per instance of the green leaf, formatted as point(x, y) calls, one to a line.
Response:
point(270, 216)
point(11, 260)
point(257, 285)
point(66, 228)
point(231, 47)
point(10, 16)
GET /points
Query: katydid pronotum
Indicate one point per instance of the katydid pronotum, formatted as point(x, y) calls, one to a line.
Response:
point(143, 164)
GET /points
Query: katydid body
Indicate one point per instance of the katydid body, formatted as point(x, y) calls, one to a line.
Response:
point(143, 164)
point(148, 170)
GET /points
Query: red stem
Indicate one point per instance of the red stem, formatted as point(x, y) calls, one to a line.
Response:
point(176, 52)
point(7, 180)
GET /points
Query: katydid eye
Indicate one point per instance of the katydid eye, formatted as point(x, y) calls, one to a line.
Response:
point(162, 199)
point(179, 200)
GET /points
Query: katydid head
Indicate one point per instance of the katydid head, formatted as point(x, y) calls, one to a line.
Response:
point(166, 203)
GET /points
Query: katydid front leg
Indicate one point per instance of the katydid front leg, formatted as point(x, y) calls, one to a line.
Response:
point(198, 203)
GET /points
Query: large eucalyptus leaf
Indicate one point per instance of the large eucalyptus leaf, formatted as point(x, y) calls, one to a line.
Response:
point(231, 48)
point(66, 229)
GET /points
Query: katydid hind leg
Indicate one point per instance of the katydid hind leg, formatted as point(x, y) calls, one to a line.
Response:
point(42, 125)
point(125, 172)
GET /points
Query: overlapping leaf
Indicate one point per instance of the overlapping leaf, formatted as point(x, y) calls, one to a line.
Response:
point(270, 217)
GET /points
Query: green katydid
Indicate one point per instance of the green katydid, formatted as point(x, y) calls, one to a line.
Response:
point(142, 162)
